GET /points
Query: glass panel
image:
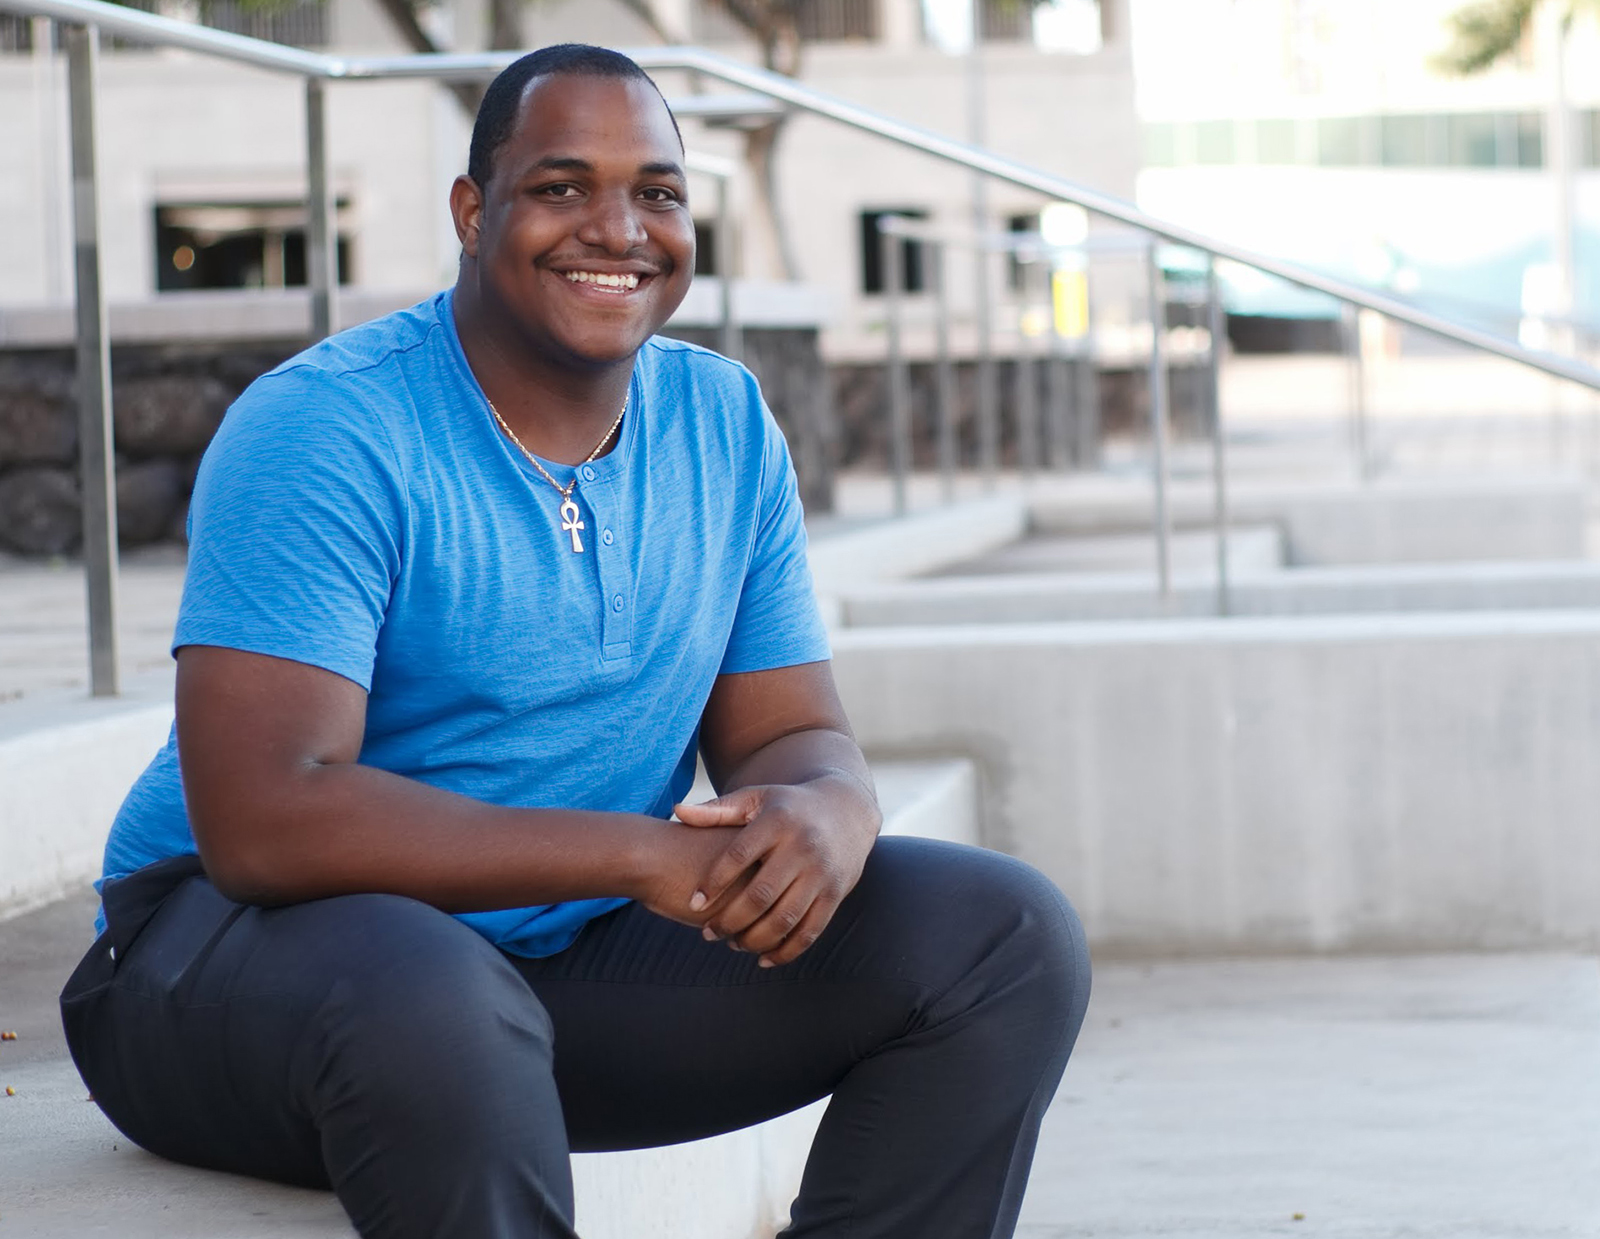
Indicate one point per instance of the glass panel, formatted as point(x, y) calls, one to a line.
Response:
point(1160, 146)
point(1405, 141)
point(1339, 141)
point(1214, 141)
point(1275, 141)
point(1530, 140)
point(1470, 140)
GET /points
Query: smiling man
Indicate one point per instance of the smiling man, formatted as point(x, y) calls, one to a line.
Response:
point(402, 909)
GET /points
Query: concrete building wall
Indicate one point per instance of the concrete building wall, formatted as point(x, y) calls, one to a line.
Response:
point(177, 126)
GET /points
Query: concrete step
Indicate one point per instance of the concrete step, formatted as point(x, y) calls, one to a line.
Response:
point(66, 1173)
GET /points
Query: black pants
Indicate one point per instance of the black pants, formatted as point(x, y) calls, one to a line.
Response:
point(375, 1045)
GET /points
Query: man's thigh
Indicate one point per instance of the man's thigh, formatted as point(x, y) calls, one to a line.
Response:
point(662, 1037)
point(228, 1036)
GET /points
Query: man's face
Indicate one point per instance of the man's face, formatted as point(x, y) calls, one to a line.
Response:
point(583, 237)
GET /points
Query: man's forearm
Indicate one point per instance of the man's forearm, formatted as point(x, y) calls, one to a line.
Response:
point(347, 828)
point(806, 757)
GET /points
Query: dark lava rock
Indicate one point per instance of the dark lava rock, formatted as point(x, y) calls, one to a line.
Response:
point(168, 414)
point(36, 428)
point(39, 511)
point(148, 493)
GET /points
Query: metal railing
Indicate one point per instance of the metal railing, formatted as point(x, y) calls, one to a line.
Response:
point(85, 18)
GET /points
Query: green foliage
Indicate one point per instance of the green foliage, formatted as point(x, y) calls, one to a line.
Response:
point(1484, 33)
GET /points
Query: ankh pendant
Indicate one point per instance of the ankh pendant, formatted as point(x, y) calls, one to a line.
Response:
point(571, 524)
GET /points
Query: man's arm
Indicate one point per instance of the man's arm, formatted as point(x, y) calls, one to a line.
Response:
point(779, 750)
point(282, 812)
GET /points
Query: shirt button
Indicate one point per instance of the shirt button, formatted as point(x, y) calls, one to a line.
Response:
point(588, 473)
point(607, 537)
point(616, 603)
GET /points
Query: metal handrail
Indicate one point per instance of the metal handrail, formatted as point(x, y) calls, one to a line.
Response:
point(771, 94)
point(147, 27)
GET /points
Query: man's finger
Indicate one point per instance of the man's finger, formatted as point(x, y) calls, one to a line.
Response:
point(747, 848)
point(734, 809)
point(768, 931)
point(766, 886)
point(803, 935)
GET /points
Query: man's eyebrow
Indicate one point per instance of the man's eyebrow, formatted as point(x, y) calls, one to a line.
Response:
point(572, 163)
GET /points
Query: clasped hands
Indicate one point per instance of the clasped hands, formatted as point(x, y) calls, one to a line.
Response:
point(764, 868)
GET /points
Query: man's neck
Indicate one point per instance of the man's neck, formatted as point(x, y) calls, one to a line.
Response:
point(558, 412)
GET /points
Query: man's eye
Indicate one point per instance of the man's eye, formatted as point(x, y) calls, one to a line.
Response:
point(660, 194)
point(559, 190)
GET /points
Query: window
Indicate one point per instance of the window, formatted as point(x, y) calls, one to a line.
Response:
point(1405, 141)
point(1275, 142)
point(1018, 225)
point(705, 247)
point(837, 19)
point(1006, 21)
point(1160, 145)
point(911, 264)
point(1530, 140)
point(1213, 141)
point(235, 245)
point(298, 23)
point(1339, 141)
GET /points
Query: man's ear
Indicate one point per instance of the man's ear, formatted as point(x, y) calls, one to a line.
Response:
point(466, 209)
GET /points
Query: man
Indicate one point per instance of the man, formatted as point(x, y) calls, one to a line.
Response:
point(469, 588)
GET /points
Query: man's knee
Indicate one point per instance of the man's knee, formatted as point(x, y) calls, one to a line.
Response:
point(1000, 932)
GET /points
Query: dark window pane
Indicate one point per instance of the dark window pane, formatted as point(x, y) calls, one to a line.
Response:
point(235, 245)
point(837, 19)
point(1009, 21)
point(1589, 138)
point(1014, 268)
point(1530, 140)
point(705, 247)
point(911, 264)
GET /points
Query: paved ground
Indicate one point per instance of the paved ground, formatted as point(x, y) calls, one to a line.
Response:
point(1407, 1098)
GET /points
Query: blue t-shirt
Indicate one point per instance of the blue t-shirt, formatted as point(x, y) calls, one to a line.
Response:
point(359, 510)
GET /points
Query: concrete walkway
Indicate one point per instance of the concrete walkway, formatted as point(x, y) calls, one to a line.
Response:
point(1408, 1098)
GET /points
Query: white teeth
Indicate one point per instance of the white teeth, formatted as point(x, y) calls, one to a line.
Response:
point(626, 283)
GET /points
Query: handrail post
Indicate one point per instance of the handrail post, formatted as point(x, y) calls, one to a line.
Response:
point(1086, 383)
point(1024, 381)
point(1216, 327)
point(96, 454)
point(988, 398)
point(945, 379)
point(322, 253)
point(1350, 315)
point(890, 247)
point(1058, 455)
point(728, 333)
point(1158, 421)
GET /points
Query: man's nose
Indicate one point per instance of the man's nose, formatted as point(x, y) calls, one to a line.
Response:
point(612, 223)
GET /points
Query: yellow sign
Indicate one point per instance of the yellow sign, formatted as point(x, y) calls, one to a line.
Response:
point(1069, 293)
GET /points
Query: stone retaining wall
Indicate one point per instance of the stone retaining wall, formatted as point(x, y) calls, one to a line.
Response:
point(168, 400)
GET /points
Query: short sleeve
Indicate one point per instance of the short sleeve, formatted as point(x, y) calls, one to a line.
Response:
point(296, 528)
point(777, 623)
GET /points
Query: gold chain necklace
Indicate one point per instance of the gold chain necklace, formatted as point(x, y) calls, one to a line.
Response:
point(570, 524)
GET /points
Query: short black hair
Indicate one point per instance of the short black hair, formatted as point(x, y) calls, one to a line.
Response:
point(497, 114)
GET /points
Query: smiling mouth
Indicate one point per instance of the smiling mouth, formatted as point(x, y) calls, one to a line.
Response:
point(610, 283)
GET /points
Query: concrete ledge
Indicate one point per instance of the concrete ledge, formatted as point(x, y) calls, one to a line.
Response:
point(1055, 597)
point(1397, 782)
point(68, 1173)
point(887, 550)
point(66, 762)
point(1386, 522)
